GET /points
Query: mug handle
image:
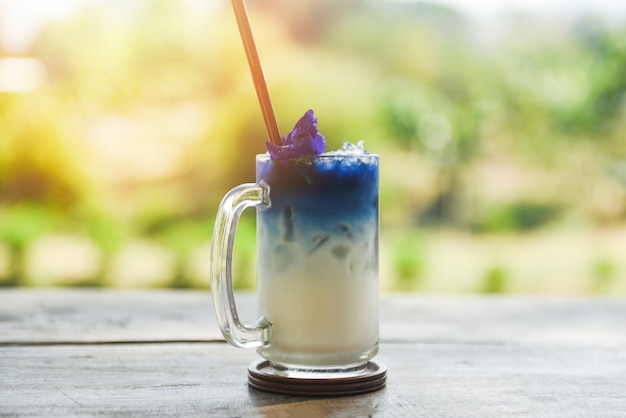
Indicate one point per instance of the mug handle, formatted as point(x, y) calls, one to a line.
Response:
point(233, 204)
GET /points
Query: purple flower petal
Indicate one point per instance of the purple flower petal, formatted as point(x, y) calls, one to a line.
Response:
point(303, 140)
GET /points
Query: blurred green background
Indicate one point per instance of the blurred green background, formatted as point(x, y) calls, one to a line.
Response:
point(502, 136)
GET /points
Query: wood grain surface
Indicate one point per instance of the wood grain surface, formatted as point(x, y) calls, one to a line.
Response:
point(138, 353)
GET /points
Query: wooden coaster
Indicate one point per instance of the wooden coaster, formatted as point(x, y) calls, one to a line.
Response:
point(260, 377)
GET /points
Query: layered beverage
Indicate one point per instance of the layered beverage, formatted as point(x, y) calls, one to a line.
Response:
point(317, 273)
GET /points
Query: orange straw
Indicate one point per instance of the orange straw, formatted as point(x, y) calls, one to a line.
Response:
point(257, 71)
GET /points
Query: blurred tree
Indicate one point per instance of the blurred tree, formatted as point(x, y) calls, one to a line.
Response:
point(308, 21)
point(411, 78)
point(604, 53)
point(428, 105)
point(37, 164)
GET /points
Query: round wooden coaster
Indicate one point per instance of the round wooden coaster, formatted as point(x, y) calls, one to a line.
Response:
point(260, 376)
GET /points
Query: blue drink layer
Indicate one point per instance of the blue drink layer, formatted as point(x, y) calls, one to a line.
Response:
point(333, 194)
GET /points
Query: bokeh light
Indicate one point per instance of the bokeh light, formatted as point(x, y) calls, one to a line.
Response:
point(500, 127)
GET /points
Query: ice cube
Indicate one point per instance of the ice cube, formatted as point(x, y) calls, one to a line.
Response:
point(288, 233)
point(345, 230)
point(318, 241)
point(340, 251)
point(282, 258)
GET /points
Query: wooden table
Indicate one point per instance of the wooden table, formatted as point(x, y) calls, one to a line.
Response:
point(137, 353)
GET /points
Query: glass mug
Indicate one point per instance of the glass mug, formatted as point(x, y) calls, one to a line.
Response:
point(317, 264)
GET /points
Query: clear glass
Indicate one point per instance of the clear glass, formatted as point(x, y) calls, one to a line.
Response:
point(317, 275)
point(228, 214)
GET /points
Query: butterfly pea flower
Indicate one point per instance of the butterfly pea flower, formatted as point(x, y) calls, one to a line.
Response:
point(303, 140)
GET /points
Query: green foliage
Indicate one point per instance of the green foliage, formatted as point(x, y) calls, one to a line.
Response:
point(495, 280)
point(21, 224)
point(106, 231)
point(604, 272)
point(520, 216)
point(409, 261)
point(244, 262)
point(181, 234)
point(606, 83)
point(406, 77)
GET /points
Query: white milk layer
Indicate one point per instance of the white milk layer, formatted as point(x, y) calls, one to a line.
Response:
point(323, 306)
